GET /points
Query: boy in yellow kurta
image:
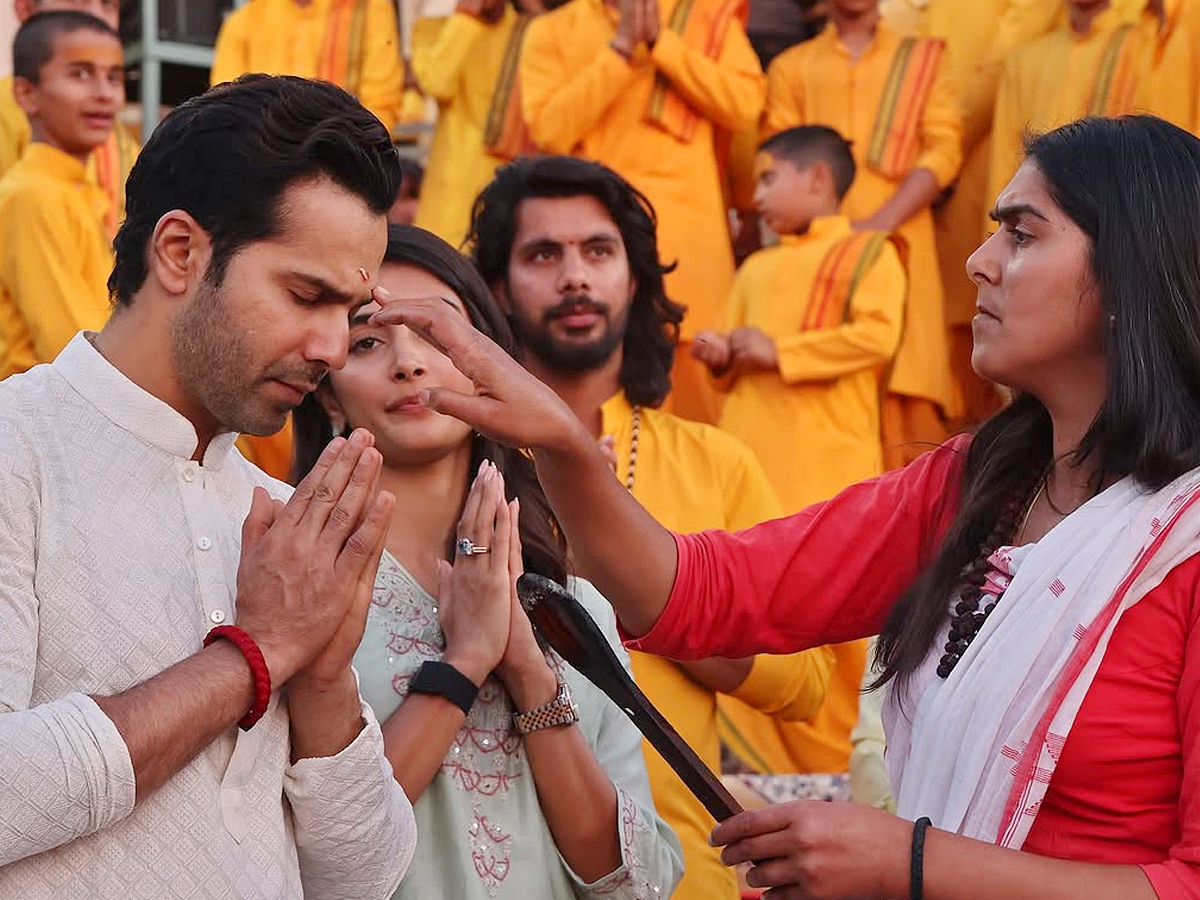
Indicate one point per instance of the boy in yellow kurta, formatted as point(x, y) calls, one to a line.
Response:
point(892, 98)
point(812, 324)
point(977, 45)
point(54, 256)
point(353, 43)
point(647, 103)
point(468, 63)
point(108, 165)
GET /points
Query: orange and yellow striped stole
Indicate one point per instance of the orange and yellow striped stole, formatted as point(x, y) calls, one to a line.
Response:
point(838, 278)
point(894, 144)
point(112, 160)
point(703, 25)
point(505, 134)
point(342, 49)
point(1116, 79)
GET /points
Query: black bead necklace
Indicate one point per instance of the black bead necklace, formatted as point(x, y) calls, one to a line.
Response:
point(967, 619)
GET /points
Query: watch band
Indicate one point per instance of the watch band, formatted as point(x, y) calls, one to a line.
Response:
point(559, 711)
point(439, 679)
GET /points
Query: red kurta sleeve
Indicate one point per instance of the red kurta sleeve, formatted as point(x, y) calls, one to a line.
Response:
point(827, 574)
point(1178, 877)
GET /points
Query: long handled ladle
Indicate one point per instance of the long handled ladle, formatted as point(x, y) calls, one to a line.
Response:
point(566, 626)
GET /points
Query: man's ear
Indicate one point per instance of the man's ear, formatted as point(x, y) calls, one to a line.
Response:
point(24, 9)
point(25, 92)
point(329, 402)
point(180, 252)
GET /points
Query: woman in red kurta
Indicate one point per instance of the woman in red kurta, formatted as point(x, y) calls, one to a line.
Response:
point(1035, 584)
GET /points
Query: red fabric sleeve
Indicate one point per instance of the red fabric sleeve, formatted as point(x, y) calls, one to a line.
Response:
point(1178, 878)
point(827, 574)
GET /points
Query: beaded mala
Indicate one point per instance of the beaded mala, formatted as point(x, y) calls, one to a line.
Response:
point(967, 619)
point(633, 447)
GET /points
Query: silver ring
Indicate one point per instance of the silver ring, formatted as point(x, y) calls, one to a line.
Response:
point(466, 548)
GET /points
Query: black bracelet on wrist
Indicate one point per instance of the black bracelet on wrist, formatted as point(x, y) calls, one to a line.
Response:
point(916, 883)
point(441, 679)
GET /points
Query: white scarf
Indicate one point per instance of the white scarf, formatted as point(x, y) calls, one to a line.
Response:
point(975, 752)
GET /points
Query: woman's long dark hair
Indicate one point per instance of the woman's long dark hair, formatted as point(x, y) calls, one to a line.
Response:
point(1133, 186)
point(541, 539)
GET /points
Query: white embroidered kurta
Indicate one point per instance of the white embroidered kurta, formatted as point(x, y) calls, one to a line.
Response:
point(117, 555)
point(481, 810)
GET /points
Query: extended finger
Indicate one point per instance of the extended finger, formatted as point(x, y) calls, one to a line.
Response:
point(365, 542)
point(759, 847)
point(750, 824)
point(329, 491)
point(516, 561)
point(468, 520)
point(775, 873)
point(307, 488)
point(501, 529)
point(351, 507)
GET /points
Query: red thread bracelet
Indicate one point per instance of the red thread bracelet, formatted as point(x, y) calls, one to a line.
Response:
point(258, 668)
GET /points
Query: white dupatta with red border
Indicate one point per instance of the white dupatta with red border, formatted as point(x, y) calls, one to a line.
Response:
point(975, 752)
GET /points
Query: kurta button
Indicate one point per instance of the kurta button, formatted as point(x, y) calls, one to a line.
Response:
point(189, 475)
point(204, 543)
point(218, 616)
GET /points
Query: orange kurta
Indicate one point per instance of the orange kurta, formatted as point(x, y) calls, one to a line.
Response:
point(581, 97)
point(819, 82)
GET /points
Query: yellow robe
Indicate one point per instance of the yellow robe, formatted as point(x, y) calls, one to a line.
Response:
point(818, 82)
point(814, 424)
point(54, 257)
point(457, 61)
point(977, 45)
point(1052, 81)
point(693, 477)
point(581, 97)
point(117, 156)
point(280, 38)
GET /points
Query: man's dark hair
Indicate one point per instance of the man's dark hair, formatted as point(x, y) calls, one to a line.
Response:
point(653, 328)
point(806, 144)
point(33, 45)
point(227, 157)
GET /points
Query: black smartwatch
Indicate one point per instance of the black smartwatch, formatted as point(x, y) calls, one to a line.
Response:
point(441, 679)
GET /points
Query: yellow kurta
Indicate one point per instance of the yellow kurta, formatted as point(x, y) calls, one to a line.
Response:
point(457, 61)
point(1051, 82)
point(279, 37)
point(693, 477)
point(581, 97)
point(122, 148)
point(814, 424)
point(818, 82)
point(54, 257)
point(977, 45)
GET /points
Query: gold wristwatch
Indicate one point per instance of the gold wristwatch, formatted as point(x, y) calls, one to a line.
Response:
point(559, 711)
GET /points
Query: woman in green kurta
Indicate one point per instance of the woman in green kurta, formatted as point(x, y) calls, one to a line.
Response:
point(526, 780)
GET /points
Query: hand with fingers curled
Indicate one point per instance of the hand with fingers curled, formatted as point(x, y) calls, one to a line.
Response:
point(473, 594)
point(308, 566)
point(813, 850)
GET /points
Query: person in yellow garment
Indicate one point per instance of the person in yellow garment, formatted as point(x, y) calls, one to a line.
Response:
point(468, 63)
point(353, 43)
point(812, 322)
point(109, 164)
point(1099, 63)
point(892, 98)
point(569, 248)
point(643, 88)
point(976, 45)
point(69, 78)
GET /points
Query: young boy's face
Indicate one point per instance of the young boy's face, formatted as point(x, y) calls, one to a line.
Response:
point(787, 197)
point(81, 89)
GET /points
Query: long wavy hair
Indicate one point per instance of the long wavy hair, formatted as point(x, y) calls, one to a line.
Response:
point(653, 329)
point(541, 538)
point(1133, 186)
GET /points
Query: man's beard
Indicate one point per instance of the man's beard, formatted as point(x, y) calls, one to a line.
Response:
point(566, 356)
point(216, 365)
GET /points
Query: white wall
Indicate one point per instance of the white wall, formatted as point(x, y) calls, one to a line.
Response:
point(8, 28)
